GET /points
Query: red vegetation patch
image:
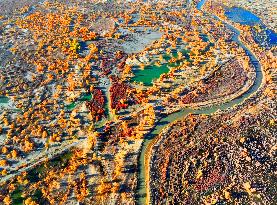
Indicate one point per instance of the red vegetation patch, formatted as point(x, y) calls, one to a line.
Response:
point(96, 105)
point(213, 178)
point(224, 82)
point(119, 94)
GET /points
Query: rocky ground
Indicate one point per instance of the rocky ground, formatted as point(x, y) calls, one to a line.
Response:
point(224, 158)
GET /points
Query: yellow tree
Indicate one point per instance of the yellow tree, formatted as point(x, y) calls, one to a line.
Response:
point(3, 162)
point(4, 150)
point(7, 200)
point(14, 153)
point(29, 201)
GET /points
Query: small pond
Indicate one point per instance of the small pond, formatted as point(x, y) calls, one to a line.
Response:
point(4, 100)
point(84, 97)
point(263, 36)
point(200, 4)
point(242, 16)
point(153, 72)
point(149, 73)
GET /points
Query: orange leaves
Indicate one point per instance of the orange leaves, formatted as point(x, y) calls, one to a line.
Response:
point(91, 141)
point(103, 188)
point(71, 82)
point(247, 187)
point(14, 154)
point(28, 146)
point(44, 134)
point(11, 187)
point(4, 150)
point(5, 122)
point(29, 201)
point(49, 77)
point(4, 172)
point(64, 66)
point(115, 187)
point(13, 50)
point(117, 35)
point(85, 34)
point(92, 54)
point(55, 138)
point(62, 122)
point(93, 48)
point(7, 200)
point(127, 19)
point(3, 162)
point(81, 187)
point(127, 69)
point(54, 185)
point(83, 30)
point(40, 68)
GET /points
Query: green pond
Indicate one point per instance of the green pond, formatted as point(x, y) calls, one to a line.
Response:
point(85, 97)
point(71, 106)
point(153, 72)
point(149, 73)
point(4, 99)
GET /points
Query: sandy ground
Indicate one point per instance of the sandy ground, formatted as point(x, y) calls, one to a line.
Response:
point(9, 6)
point(140, 40)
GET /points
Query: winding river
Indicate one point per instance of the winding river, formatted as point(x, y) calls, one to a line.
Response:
point(142, 191)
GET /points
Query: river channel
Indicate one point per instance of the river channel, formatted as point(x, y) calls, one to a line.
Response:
point(142, 188)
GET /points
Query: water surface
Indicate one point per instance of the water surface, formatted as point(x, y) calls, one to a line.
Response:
point(149, 73)
point(242, 16)
point(264, 36)
point(4, 100)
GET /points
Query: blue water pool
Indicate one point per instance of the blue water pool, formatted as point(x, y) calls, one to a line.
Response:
point(264, 36)
point(242, 16)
